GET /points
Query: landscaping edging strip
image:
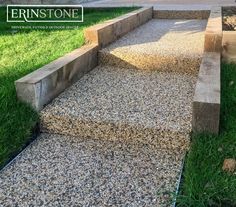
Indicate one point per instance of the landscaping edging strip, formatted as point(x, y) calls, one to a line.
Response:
point(109, 31)
point(206, 103)
point(179, 180)
point(181, 14)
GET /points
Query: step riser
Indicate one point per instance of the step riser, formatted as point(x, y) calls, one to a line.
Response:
point(173, 140)
point(149, 62)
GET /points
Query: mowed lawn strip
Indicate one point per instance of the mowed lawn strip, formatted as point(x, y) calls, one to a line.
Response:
point(23, 51)
point(204, 181)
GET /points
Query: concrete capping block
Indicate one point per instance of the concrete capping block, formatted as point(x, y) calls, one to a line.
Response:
point(214, 34)
point(181, 14)
point(109, 31)
point(206, 102)
point(229, 46)
point(43, 85)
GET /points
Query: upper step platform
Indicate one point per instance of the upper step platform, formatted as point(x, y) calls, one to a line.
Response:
point(166, 45)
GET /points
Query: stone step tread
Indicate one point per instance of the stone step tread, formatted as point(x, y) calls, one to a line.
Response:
point(119, 103)
point(73, 171)
point(165, 37)
point(127, 96)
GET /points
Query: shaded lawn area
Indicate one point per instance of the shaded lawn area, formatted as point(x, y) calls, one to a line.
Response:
point(22, 52)
point(204, 182)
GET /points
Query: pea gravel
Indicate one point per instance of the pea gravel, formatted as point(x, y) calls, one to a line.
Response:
point(167, 45)
point(72, 171)
point(142, 91)
point(125, 104)
point(124, 126)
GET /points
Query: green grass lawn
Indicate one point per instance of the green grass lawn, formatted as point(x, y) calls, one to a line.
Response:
point(22, 52)
point(204, 182)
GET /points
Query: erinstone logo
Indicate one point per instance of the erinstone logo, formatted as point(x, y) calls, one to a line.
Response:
point(45, 13)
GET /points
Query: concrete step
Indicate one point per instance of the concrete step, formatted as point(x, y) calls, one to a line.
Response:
point(74, 171)
point(129, 105)
point(165, 45)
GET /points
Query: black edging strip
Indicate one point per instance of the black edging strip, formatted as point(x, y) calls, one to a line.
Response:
point(180, 180)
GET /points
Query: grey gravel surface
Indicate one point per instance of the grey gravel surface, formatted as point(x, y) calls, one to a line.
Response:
point(168, 45)
point(125, 104)
point(72, 171)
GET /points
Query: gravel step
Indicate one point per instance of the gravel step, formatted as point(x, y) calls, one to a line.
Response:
point(149, 107)
point(166, 45)
point(73, 171)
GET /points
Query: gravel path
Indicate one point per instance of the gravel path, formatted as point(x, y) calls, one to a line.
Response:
point(129, 103)
point(71, 171)
point(129, 127)
point(168, 45)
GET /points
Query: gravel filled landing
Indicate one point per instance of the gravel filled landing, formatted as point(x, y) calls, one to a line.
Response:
point(167, 45)
point(67, 171)
point(125, 104)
